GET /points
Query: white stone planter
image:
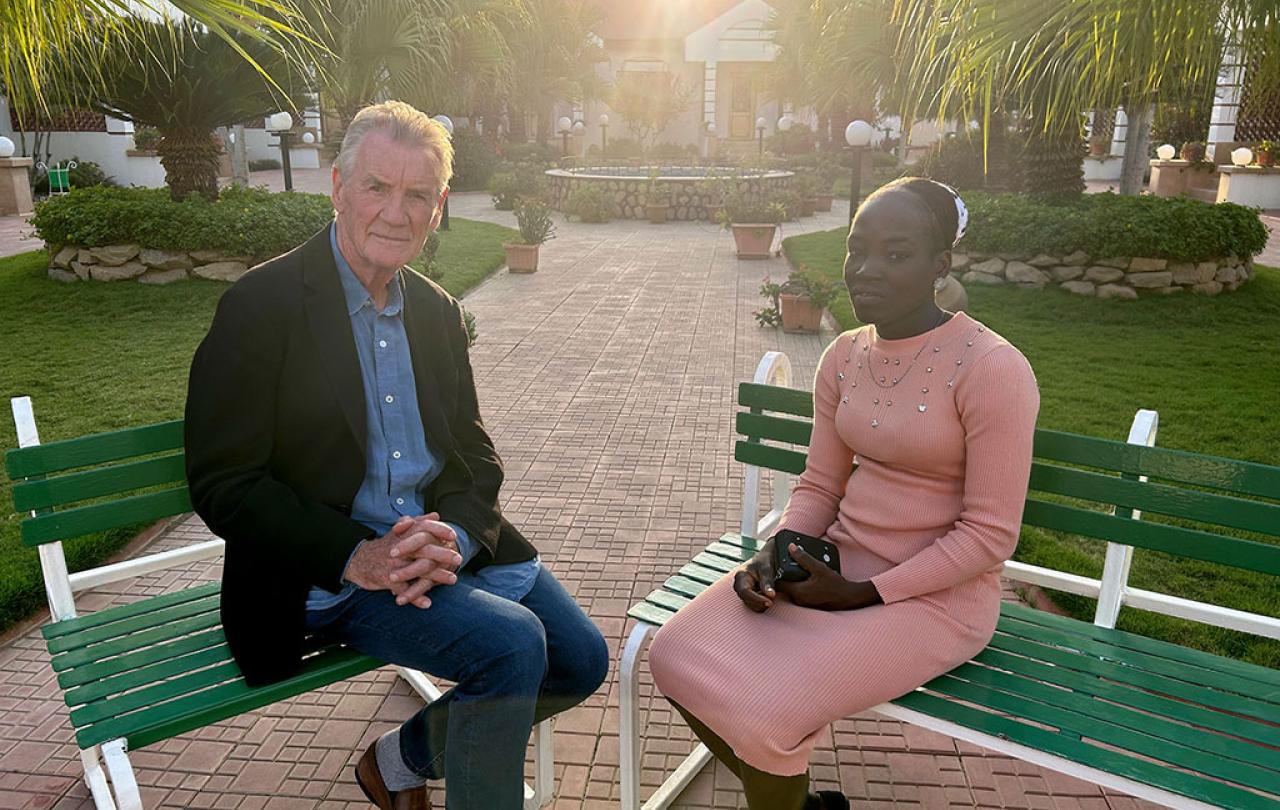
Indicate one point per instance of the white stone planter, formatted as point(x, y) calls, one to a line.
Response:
point(1254, 186)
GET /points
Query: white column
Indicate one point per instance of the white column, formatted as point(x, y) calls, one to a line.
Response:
point(1226, 98)
point(1119, 132)
point(709, 94)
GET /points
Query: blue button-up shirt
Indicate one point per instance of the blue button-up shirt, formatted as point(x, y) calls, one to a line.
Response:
point(399, 465)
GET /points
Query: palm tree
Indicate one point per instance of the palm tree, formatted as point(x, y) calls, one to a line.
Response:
point(193, 83)
point(1045, 61)
point(554, 56)
point(38, 40)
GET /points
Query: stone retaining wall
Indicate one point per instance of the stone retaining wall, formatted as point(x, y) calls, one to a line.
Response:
point(688, 199)
point(1112, 277)
point(145, 265)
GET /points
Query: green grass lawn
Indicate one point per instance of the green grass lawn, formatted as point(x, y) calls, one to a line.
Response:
point(1210, 366)
point(97, 357)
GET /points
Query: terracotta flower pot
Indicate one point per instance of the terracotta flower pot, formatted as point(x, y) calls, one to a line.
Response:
point(522, 258)
point(753, 240)
point(1264, 158)
point(822, 202)
point(713, 212)
point(799, 313)
point(1099, 147)
point(657, 214)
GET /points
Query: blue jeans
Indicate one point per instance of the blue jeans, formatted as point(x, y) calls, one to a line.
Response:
point(514, 665)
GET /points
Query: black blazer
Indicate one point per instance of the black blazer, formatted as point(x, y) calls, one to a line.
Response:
point(275, 435)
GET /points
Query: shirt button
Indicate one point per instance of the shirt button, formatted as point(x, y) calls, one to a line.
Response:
point(399, 501)
point(390, 398)
point(396, 454)
point(382, 343)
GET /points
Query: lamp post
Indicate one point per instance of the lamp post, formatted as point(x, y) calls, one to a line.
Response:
point(281, 123)
point(760, 125)
point(711, 136)
point(857, 135)
point(564, 125)
point(604, 135)
point(446, 122)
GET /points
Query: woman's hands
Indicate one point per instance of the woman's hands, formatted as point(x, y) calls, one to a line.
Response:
point(825, 589)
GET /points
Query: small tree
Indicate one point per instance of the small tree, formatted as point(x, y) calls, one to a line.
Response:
point(649, 100)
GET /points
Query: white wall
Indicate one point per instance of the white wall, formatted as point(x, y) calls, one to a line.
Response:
point(107, 149)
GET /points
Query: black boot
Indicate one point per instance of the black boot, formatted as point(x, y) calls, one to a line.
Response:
point(826, 800)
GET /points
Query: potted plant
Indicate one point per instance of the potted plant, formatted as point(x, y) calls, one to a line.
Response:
point(1193, 151)
point(1264, 154)
point(1099, 145)
point(590, 202)
point(754, 219)
point(657, 201)
point(712, 190)
point(805, 186)
point(534, 218)
point(802, 299)
point(825, 175)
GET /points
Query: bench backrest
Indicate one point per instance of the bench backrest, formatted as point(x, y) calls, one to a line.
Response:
point(95, 483)
point(1190, 505)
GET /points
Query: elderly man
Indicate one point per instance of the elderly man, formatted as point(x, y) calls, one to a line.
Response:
point(334, 441)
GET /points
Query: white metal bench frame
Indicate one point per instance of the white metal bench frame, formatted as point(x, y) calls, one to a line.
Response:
point(1112, 591)
point(116, 787)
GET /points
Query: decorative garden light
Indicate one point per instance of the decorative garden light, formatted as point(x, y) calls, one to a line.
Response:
point(6, 147)
point(604, 134)
point(280, 124)
point(785, 122)
point(308, 137)
point(858, 136)
point(1240, 157)
point(446, 122)
point(1166, 151)
point(564, 125)
point(760, 125)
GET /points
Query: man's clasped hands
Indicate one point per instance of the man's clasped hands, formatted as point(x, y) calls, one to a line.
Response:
point(418, 554)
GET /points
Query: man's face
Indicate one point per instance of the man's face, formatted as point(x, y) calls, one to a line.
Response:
point(388, 204)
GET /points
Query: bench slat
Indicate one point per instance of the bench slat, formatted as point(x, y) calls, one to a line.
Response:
point(773, 398)
point(134, 678)
point(715, 562)
point(137, 641)
point(1222, 510)
point(112, 614)
point(1103, 663)
point(684, 586)
point(99, 448)
point(203, 708)
point(1128, 695)
point(1152, 773)
point(121, 629)
point(82, 520)
point(1173, 742)
point(122, 664)
point(1197, 469)
point(769, 457)
point(667, 600)
point(650, 614)
point(154, 694)
point(774, 428)
point(46, 493)
point(1192, 543)
point(701, 573)
point(1268, 678)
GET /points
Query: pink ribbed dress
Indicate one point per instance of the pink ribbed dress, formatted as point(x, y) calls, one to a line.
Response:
point(931, 511)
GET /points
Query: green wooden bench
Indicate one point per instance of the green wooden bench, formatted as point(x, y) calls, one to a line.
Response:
point(142, 672)
point(1174, 725)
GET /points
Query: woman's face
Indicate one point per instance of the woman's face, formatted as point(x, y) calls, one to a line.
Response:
point(893, 259)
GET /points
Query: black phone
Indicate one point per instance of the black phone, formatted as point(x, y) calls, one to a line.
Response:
point(787, 569)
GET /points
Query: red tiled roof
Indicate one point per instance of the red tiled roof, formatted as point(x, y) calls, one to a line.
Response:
point(657, 19)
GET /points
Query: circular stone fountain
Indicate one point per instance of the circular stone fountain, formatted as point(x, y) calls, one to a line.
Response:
point(628, 186)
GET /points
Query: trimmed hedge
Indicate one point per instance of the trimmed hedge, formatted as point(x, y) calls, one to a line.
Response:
point(243, 222)
point(1174, 228)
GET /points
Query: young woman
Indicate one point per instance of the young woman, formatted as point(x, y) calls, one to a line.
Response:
point(917, 472)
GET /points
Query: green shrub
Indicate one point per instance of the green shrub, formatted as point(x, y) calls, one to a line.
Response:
point(475, 158)
point(427, 258)
point(543, 155)
point(798, 140)
point(743, 207)
point(672, 151)
point(85, 174)
point(249, 222)
point(146, 138)
point(624, 148)
point(263, 164)
point(508, 187)
point(1105, 225)
point(590, 202)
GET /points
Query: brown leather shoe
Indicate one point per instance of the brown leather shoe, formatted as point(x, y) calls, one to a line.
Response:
point(370, 781)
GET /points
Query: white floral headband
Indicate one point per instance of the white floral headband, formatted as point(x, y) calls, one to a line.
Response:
point(962, 214)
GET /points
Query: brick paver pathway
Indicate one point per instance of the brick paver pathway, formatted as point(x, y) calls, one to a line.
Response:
point(607, 380)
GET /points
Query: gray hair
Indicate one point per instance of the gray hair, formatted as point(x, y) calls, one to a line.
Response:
point(405, 124)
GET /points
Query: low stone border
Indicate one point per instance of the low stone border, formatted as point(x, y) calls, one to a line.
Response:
point(146, 265)
point(1114, 277)
point(688, 198)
